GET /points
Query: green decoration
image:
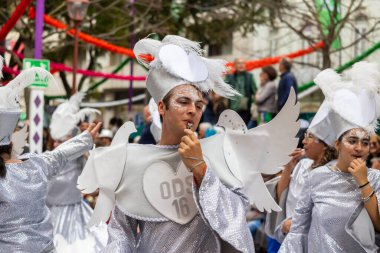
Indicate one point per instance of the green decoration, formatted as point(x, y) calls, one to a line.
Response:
point(345, 66)
point(96, 85)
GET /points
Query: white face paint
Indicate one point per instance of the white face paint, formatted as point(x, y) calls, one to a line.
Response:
point(185, 107)
point(185, 94)
point(356, 136)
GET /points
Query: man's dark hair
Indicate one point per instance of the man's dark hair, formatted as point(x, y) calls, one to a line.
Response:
point(286, 63)
point(270, 71)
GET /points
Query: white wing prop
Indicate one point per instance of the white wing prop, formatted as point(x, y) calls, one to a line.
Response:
point(107, 164)
point(68, 115)
point(259, 150)
point(19, 140)
point(10, 94)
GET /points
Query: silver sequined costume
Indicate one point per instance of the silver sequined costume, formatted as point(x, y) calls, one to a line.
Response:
point(221, 215)
point(324, 216)
point(25, 219)
point(70, 214)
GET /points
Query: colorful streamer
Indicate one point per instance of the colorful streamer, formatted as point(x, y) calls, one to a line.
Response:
point(61, 67)
point(250, 65)
point(83, 36)
point(96, 85)
point(345, 66)
point(16, 15)
point(254, 64)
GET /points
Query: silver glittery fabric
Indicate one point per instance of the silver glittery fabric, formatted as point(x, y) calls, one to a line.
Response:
point(70, 214)
point(297, 181)
point(328, 200)
point(25, 219)
point(299, 174)
point(62, 189)
point(221, 216)
point(70, 231)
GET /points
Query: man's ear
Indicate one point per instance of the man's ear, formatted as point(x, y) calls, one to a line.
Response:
point(161, 108)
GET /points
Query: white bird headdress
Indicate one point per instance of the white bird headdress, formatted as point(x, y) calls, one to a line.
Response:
point(67, 115)
point(10, 98)
point(351, 103)
point(176, 61)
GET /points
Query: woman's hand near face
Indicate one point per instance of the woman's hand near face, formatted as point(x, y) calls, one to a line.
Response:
point(358, 169)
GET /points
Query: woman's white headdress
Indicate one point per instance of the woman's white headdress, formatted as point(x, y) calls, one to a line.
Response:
point(67, 115)
point(10, 97)
point(176, 61)
point(348, 104)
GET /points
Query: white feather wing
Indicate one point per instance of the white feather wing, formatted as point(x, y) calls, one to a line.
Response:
point(263, 150)
point(104, 170)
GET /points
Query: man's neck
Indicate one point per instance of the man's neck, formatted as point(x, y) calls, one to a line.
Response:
point(168, 138)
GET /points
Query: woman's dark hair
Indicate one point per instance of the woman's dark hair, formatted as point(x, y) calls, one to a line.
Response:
point(330, 154)
point(270, 71)
point(4, 149)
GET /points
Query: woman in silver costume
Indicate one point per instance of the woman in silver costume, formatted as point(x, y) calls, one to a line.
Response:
point(338, 209)
point(25, 219)
point(288, 187)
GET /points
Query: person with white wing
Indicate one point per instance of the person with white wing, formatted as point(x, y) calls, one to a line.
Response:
point(185, 194)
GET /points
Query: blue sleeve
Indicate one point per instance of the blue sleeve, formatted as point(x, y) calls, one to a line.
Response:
point(286, 83)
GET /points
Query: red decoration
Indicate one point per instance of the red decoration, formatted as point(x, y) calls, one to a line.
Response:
point(16, 15)
point(254, 64)
point(250, 65)
point(83, 36)
point(61, 67)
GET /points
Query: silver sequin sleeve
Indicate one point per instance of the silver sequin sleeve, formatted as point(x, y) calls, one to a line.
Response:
point(55, 160)
point(326, 208)
point(25, 224)
point(224, 209)
point(296, 240)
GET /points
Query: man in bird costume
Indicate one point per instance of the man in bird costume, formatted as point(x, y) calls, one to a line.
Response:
point(185, 194)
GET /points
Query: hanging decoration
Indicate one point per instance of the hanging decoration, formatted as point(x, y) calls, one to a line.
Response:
point(16, 15)
point(83, 36)
point(254, 64)
point(62, 67)
point(345, 66)
point(250, 65)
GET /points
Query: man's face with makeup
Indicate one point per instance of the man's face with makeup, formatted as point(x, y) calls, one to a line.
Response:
point(185, 107)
